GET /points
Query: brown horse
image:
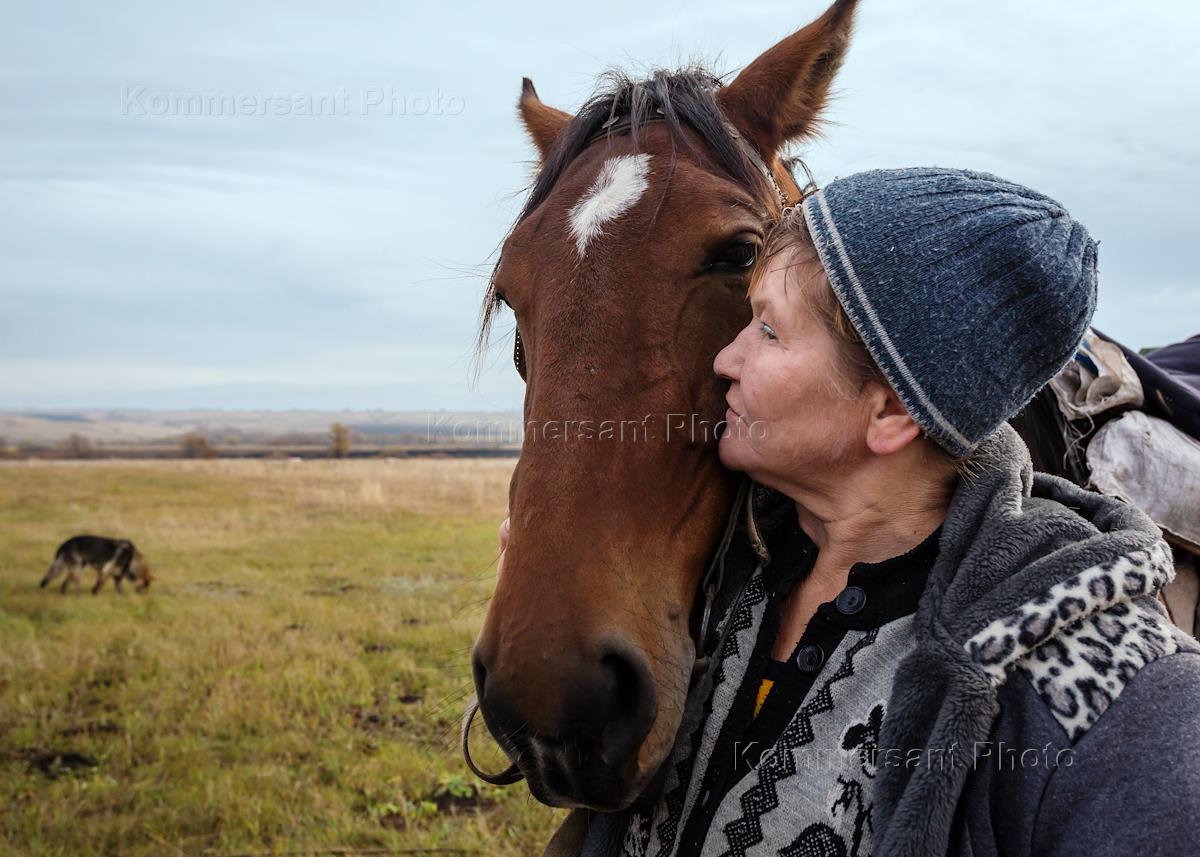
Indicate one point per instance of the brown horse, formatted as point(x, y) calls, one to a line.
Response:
point(627, 271)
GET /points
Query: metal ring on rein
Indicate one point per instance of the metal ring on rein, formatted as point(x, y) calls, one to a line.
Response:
point(511, 774)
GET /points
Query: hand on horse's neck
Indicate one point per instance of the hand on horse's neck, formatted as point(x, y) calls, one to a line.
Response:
point(849, 529)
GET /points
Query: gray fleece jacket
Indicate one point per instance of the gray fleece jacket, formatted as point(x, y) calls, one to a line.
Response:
point(1038, 702)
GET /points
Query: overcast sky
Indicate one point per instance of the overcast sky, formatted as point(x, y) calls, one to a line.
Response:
point(263, 258)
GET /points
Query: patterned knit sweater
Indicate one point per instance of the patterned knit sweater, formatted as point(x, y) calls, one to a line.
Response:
point(1038, 688)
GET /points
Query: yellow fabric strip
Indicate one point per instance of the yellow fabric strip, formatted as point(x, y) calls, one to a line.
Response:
point(763, 690)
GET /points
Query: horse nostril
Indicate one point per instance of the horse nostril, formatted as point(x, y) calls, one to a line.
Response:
point(633, 705)
point(502, 722)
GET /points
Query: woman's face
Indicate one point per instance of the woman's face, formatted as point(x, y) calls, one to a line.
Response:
point(793, 416)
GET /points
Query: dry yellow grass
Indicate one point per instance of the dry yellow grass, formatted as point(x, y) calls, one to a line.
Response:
point(292, 681)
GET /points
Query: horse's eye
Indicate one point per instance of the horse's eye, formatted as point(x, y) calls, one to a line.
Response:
point(736, 257)
point(503, 300)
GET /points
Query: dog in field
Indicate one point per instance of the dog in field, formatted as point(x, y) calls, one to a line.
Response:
point(115, 558)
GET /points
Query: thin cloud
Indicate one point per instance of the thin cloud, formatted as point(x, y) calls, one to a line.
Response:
point(301, 259)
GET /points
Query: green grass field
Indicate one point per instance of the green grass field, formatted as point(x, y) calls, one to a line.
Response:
point(293, 681)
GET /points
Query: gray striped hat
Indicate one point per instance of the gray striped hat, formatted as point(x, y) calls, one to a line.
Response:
point(971, 292)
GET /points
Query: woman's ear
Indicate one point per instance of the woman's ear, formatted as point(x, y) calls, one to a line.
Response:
point(890, 427)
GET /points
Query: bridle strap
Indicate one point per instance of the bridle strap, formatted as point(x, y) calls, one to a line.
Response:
point(755, 158)
point(714, 577)
point(518, 352)
point(618, 124)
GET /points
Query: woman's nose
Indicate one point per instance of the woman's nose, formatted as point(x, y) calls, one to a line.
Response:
point(728, 360)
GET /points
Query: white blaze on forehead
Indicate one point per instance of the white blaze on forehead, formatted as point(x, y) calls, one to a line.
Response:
point(619, 185)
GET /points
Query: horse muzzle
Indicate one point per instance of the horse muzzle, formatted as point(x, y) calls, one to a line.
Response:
point(578, 743)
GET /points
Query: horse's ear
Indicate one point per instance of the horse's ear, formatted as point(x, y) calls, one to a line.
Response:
point(780, 96)
point(544, 123)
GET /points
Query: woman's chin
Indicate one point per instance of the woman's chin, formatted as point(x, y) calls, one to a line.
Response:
point(730, 452)
point(735, 455)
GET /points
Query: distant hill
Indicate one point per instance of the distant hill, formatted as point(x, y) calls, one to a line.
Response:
point(231, 431)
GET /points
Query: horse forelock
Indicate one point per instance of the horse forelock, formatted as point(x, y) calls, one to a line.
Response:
point(677, 100)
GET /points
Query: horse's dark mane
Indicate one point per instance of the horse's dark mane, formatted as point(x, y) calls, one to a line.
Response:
point(678, 99)
point(685, 97)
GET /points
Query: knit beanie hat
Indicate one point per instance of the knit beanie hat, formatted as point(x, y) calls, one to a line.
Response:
point(971, 292)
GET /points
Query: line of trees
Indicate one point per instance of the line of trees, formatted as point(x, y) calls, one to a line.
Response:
point(194, 444)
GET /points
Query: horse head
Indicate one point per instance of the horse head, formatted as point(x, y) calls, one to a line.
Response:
point(627, 271)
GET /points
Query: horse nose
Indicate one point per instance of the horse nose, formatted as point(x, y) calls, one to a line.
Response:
point(612, 703)
point(603, 706)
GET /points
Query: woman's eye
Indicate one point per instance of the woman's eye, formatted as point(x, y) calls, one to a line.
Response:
point(767, 331)
point(736, 257)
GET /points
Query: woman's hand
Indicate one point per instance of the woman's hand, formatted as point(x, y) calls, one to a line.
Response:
point(503, 534)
